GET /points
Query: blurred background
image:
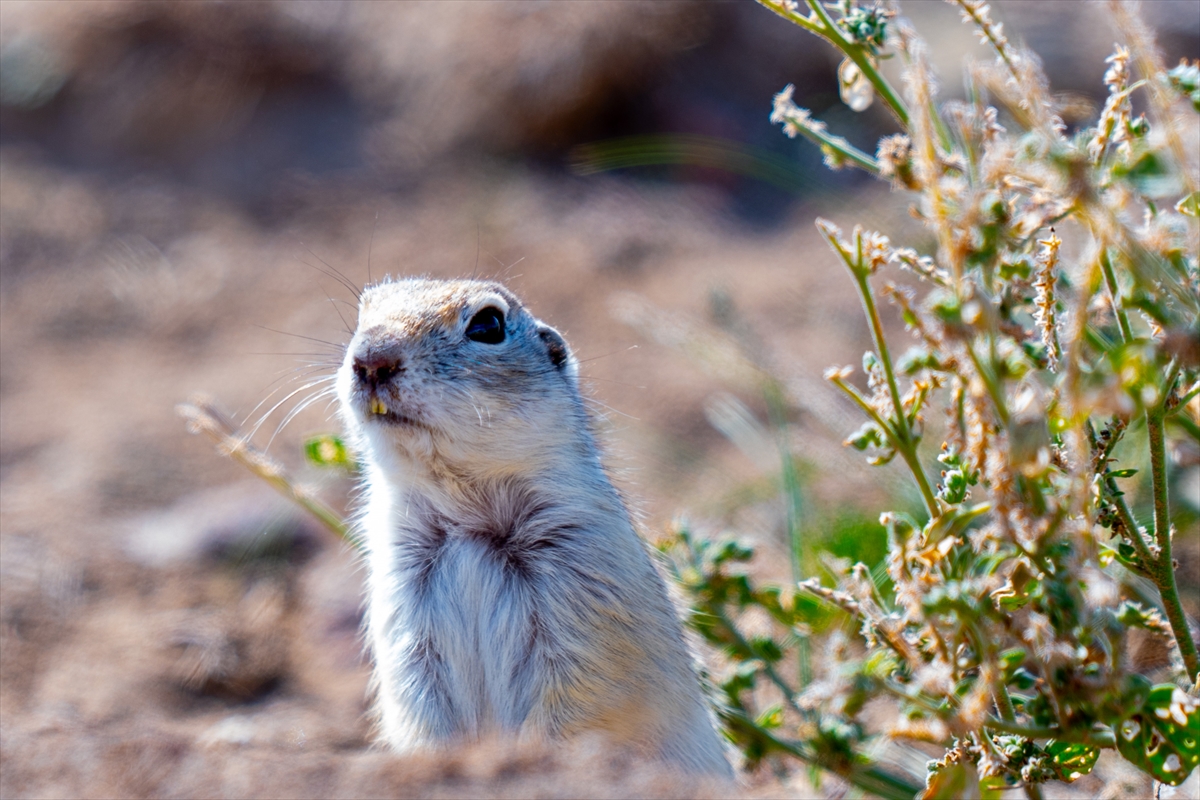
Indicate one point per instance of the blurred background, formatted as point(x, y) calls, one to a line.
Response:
point(176, 181)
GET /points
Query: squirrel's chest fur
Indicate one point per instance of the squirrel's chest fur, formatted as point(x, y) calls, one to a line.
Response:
point(501, 614)
point(464, 623)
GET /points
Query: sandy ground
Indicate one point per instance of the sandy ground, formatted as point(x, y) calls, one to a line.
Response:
point(140, 611)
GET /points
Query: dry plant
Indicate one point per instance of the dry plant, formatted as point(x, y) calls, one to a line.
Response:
point(1058, 327)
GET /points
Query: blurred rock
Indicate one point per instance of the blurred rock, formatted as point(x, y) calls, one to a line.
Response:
point(238, 524)
point(238, 653)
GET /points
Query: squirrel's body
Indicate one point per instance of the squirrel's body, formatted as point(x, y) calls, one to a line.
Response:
point(508, 590)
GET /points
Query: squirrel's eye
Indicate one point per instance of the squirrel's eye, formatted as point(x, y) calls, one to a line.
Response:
point(487, 326)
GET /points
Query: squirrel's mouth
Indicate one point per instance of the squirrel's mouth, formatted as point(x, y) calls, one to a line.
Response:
point(392, 418)
point(375, 410)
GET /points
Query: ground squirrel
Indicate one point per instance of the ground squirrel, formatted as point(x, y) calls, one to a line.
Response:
point(508, 591)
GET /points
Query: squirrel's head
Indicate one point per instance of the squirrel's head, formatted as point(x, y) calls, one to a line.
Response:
point(458, 372)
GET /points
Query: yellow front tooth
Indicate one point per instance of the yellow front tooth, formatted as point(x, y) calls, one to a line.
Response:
point(377, 406)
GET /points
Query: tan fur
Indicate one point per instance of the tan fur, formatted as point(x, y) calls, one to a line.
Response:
point(508, 590)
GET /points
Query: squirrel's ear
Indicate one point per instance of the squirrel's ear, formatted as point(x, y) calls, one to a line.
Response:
point(558, 352)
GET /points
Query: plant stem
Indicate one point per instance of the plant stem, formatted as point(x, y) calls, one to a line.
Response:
point(987, 654)
point(1164, 570)
point(1189, 427)
point(789, 695)
point(1184, 399)
point(824, 26)
point(1126, 516)
point(906, 444)
point(204, 417)
point(1102, 738)
point(1004, 703)
point(776, 415)
point(869, 778)
point(1110, 280)
point(811, 129)
point(858, 54)
point(889, 430)
point(989, 381)
point(989, 32)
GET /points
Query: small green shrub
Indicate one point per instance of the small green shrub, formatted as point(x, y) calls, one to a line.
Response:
point(1059, 313)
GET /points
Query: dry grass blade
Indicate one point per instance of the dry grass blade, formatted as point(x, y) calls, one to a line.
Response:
point(204, 417)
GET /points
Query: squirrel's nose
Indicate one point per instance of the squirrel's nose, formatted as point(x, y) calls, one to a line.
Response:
point(373, 366)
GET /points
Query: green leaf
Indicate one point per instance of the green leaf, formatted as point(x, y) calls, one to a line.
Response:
point(1189, 205)
point(946, 307)
point(328, 450)
point(1023, 679)
point(1177, 716)
point(880, 665)
point(1122, 473)
point(916, 359)
point(993, 788)
point(1013, 657)
point(1185, 79)
point(869, 435)
point(1133, 615)
point(771, 718)
point(766, 648)
point(1071, 760)
point(1128, 555)
point(900, 527)
point(949, 782)
point(732, 550)
point(1150, 173)
point(1163, 737)
point(741, 679)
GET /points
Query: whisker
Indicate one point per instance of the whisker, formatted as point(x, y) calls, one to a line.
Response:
point(475, 271)
point(336, 310)
point(591, 378)
point(275, 407)
point(287, 375)
point(291, 415)
point(341, 348)
point(370, 247)
point(313, 355)
point(341, 279)
point(506, 270)
point(610, 408)
point(334, 273)
point(606, 355)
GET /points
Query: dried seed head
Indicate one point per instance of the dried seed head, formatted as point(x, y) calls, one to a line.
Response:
point(977, 704)
point(894, 155)
point(991, 127)
point(877, 249)
point(836, 374)
point(988, 31)
point(786, 113)
point(935, 678)
point(1117, 76)
point(1115, 124)
point(931, 730)
point(1045, 301)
